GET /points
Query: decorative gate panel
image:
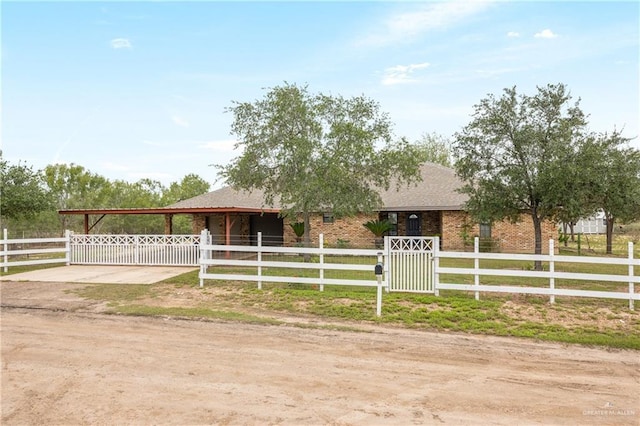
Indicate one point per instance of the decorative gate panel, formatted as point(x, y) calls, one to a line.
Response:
point(411, 263)
point(161, 250)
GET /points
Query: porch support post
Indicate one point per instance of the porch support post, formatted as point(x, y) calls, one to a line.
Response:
point(168, 224)
point(227, 232)
point(86, 224)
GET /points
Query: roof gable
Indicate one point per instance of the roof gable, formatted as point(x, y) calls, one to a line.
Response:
point(436, 191)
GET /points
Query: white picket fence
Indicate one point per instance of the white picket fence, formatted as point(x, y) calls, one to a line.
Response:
point(198, 251)
point(166, 250)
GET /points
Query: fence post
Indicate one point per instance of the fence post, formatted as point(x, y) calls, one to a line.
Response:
point(476, 265)
point(259, 260)
point(321, 244)
point(67, 246)
point(387, 262)
point(6, 249)
point(136, 247)
point(436, 266)
point(552, 269)
point(379, 289)
point(631, 289)
point(204, 241)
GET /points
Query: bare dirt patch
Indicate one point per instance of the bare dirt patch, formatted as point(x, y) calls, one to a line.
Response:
point(599, 318)
point(65, 362)
point(230, 297)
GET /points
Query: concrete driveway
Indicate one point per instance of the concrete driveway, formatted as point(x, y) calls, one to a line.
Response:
point(99, 274)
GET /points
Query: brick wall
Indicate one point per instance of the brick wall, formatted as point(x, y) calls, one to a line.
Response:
point(509, 237)
point(198, 223)
point(348, 231)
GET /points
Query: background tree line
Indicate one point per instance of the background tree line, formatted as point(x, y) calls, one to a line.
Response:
point(30, 200)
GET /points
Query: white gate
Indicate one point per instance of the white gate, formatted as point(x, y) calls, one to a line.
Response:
point(410, 262)
point(161, 250)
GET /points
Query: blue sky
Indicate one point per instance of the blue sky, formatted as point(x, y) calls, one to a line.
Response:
point(134, 90)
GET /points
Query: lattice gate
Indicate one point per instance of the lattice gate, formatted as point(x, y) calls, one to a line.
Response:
point(410, 263)
point(165, 250)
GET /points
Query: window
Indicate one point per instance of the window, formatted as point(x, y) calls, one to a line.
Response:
point(485, 230)
point(327, 218)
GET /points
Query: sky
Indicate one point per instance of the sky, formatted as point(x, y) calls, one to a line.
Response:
point(133, 90)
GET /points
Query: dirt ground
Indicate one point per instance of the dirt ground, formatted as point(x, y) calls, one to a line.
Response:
point(64, 361)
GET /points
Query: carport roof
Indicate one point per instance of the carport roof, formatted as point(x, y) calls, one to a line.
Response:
point(168, 210)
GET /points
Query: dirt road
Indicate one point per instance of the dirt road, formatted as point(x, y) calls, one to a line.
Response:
point(64, 362)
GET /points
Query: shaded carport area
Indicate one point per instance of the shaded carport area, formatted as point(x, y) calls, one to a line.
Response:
point(262, 220)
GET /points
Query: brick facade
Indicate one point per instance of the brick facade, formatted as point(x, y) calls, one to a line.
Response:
point(453, 227)
point(458, 232)
point(344, 232)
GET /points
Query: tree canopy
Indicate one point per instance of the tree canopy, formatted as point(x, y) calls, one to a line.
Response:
point(31, 199)
point(190, 186)
point(611, 179)
point(437, 149)
point(315, 152)
point(22, 191)
point(513, 153)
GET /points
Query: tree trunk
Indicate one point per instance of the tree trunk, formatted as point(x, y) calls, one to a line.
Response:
point(609, 221)
point(573, 234)
point(537, 231)
point(306, 217)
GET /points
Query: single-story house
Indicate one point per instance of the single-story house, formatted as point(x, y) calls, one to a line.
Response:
point(429, 208)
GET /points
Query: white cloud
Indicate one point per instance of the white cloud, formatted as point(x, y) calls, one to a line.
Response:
point(407, 26)
point(401, 73)
point(513, 34)
point(547, 33)
point(121, 43)
point(179, 121)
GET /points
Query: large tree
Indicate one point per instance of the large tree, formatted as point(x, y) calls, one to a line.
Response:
point(22, 191)
point(612, 180)
point(316, 152)
point(512, 154)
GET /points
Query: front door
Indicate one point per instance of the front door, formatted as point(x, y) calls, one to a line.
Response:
point(414, 225)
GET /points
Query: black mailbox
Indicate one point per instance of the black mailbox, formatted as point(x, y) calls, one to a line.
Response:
point(378, 269)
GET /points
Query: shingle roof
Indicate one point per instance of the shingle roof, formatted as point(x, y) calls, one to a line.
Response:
point(227, 197)
point(437, 191)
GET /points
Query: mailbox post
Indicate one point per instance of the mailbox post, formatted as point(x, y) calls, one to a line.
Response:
point(379, 270)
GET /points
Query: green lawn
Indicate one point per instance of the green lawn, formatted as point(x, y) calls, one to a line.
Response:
point(584, 321)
